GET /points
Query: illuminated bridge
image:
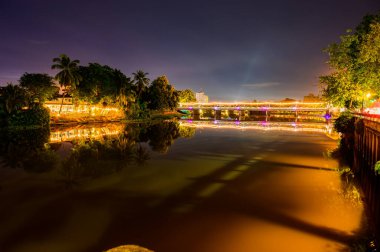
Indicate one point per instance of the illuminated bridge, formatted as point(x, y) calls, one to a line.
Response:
point(241, 110)
point(257, 106)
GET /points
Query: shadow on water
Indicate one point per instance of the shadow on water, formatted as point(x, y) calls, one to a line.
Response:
point(191, 198)
point(364, 241)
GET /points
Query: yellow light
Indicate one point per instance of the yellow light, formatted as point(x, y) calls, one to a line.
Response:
point(368, 95)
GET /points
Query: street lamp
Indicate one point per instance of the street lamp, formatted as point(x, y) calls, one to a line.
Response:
point(367, 96)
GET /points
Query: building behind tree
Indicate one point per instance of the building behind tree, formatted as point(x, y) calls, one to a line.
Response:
point(201, 97)
point(311, 98)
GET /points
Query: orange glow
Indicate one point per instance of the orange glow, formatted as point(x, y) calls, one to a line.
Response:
point(252, 103)
point(76, 133)
point(283, 126)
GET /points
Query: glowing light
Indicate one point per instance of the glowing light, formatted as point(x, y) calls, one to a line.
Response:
point(368, 95)
point(267, 126)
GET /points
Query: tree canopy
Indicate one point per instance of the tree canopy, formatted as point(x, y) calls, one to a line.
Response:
point(186, 95)
point(141, 82)
point(355, 62)
point(101, 83)
point(13, 97)
point(39, 86)
point(68, 76)
point(162, 95)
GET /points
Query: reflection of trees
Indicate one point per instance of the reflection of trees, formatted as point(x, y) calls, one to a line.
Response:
point(27, 149)
point(89, 158)
point(141, 155)
point(186, 132)
point(98, 158)
point(161, 135)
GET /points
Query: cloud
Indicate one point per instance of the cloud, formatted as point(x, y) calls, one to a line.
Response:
point(260, 85)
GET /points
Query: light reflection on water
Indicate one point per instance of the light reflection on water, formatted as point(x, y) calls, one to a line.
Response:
point(93, 132)
point(109, 130)
point(229, 186)
point(261, 125)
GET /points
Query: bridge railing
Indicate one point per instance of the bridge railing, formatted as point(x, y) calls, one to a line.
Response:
point(366, 145)
point(262, 106)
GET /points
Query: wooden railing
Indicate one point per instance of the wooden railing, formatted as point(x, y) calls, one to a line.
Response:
point(366, 154)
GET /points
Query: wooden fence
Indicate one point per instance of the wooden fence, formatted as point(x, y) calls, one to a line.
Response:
point(366, 154)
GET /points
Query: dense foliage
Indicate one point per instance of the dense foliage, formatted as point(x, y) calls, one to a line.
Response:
point(38, 116)
point(101, 85)
point(18, 108)
point(186, 95)
point(40, 87)
point(345, 123)
point(355, 61)
point(162, 95)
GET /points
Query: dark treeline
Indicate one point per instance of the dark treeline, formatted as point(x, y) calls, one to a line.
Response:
point(22, 104)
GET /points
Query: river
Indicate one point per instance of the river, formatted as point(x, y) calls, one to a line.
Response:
point(188, 186)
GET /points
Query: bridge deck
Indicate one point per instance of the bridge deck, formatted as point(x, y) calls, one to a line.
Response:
point(294, 106)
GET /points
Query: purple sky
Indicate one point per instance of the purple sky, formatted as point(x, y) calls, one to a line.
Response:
point(232, 50)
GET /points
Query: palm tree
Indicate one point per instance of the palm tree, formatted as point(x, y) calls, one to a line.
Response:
point(68, 76)
point(141, 82)
point(13, 97)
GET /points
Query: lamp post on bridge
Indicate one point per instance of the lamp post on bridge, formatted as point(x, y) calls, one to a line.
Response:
point(367, 96)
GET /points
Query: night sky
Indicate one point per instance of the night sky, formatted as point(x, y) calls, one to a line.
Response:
point(232, 50)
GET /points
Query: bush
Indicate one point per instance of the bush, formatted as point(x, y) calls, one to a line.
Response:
point(345, 123)
point(138, 111)
point(36, 116)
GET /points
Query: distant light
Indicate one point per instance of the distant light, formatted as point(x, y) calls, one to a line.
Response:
point(368, 95)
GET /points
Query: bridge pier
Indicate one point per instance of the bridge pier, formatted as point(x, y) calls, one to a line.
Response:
point(218, 114)
point(196, 114)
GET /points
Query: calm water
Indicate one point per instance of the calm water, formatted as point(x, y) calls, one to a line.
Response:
point(176, 186)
